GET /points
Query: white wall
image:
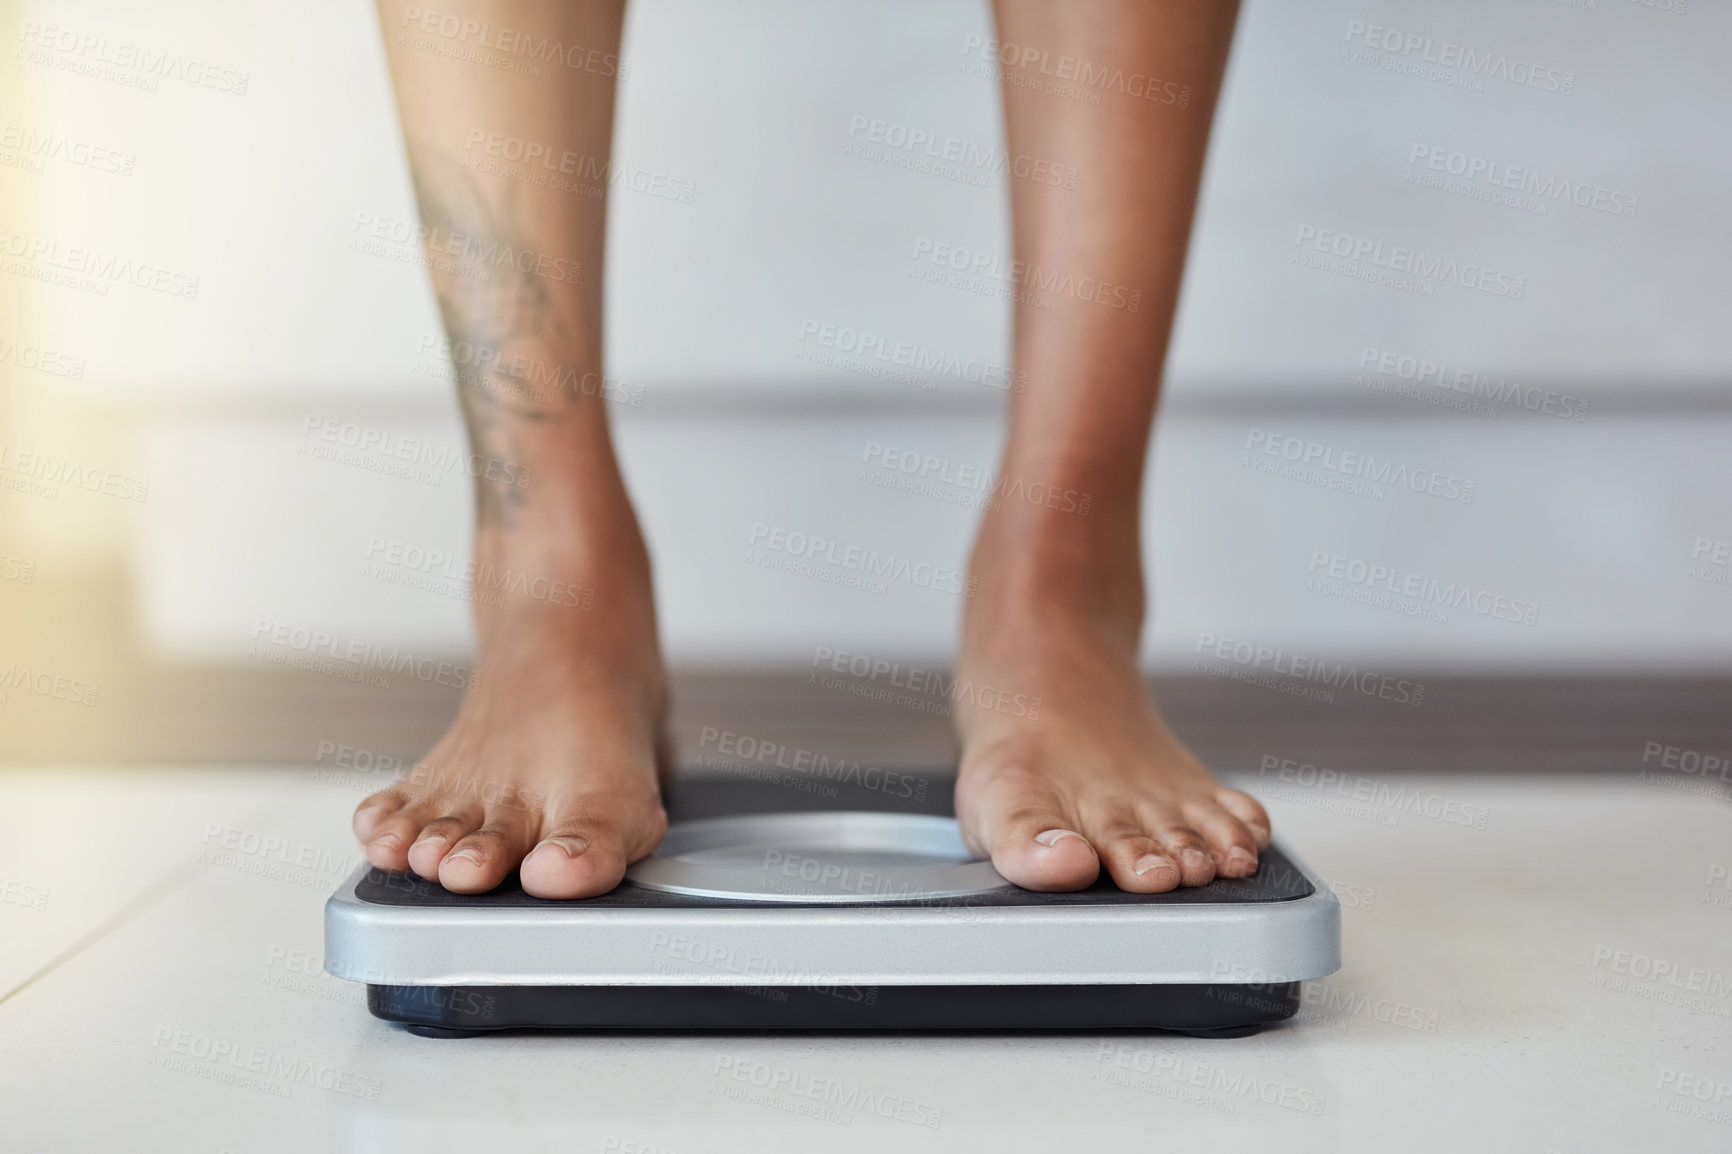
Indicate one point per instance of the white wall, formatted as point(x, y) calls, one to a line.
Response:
point(1594, 521)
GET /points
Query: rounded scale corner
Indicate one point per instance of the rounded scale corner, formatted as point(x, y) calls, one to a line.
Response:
point(1317, 941)
point(348, 922)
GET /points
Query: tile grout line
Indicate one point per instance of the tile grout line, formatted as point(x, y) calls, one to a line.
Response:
point(161, 889)
point(155, 893)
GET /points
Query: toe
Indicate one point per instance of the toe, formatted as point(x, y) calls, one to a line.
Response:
point(373, 810)
point(1232, 847)
point(1135, 860)
point(437, 838)
point(578, 859)
point(387, 844)
point(1179, 841)
point(1034, 841)
point(1249, 811)
point(587, 848)
point(486, 856)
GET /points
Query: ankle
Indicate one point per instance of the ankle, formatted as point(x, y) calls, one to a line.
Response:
point(566, 584)
point(1044, 561)
point(578, 518)
point(565, 546)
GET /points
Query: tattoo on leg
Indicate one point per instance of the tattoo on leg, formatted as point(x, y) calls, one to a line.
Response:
point(494, 307)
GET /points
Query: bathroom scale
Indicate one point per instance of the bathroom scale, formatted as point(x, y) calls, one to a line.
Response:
point(781, 903)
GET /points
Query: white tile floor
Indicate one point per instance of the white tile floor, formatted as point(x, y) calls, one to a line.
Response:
point(1500, 993)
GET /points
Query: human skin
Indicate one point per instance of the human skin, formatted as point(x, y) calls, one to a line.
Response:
point(554, 760)
point(1096, 778)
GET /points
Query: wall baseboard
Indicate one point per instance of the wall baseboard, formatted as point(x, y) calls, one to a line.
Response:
point(777, 718)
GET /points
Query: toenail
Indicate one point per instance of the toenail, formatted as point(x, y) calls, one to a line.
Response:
point(432, 839)
point(1242, 857)
point(1195, 857)
point(386, 841)
point(1150, 861)
point(1053, 836)
point(468, 855)
point(571, 845)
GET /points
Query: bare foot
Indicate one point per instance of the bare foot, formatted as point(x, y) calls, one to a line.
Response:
point(553, 761)
point(1089, 776)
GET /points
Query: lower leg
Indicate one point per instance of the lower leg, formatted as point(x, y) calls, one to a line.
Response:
point(552, 760)
point(1095, 779)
